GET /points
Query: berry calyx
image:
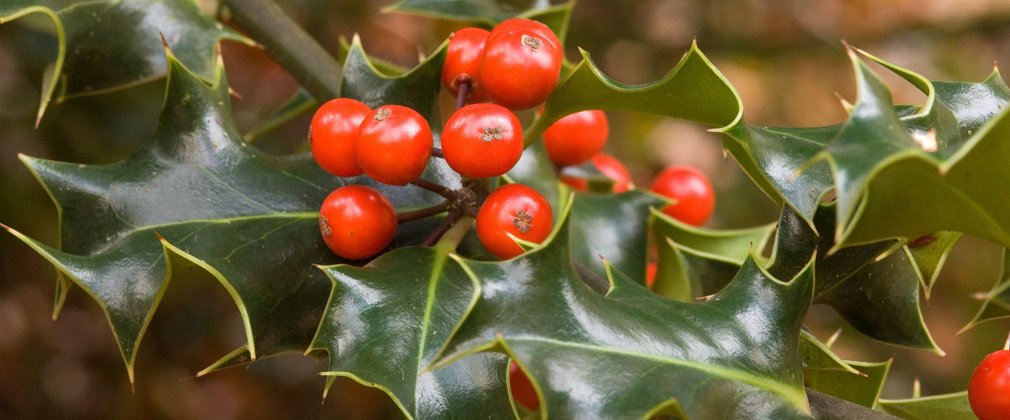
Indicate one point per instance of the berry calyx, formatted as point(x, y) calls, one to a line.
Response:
point(357, 221)
point(521, 388)
point(521, 63)
point(394, 144)
point(333, 133)
point(695, 198)
point(462, 61)
point(576, 137)
point(610, 167)
point(482, 140)
point(989, 387)
point(517, 210)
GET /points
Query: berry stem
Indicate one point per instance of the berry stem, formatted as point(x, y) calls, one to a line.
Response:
point(418, 214)
point(435, 188)
point(436, 234)
point(437, 152)
point(462, 92)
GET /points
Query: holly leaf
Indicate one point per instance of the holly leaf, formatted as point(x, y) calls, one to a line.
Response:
point(899, 172)
point(874, 290)
point(107, 45)
point(565, 336)
point(930, 253)
point(826, 407)
point(693, 90)
point(612, 227)
point(863, 388)
point(487, 12)
point(385, 323)
point(948, 406)
point(694, 261)
point(995, 303)
point(194, 194)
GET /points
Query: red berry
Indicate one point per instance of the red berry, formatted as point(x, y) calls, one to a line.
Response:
point(357, 221)
point(482, 140)
point(521, 64)
point(608, 166)
point(394, 144)
point(692, 191)
point(513, 209)
point(462, 60)
point(989, 387)
point(332, 135)
point(576, 137)
point(522, 389)
point(650, 274)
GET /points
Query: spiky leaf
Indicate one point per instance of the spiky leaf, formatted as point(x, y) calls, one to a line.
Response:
point(899, 172)
point(731, 356)
point(247, 218)
point(106, 45)
point(947, 407)
point(385, 323)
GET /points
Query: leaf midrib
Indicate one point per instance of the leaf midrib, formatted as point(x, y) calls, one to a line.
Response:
point(794, 397)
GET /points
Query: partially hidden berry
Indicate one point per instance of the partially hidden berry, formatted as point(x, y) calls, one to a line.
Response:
point(394, 144)
point(690, 189)
point(462, 61)
point(521, 388)
point(576, 137)
point(517, 210)
point(333, 133)
point(357, 222)
point(521, 63)
point(610, 167)
point(482, 140)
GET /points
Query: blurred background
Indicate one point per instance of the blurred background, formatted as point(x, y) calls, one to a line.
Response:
point(784, 57)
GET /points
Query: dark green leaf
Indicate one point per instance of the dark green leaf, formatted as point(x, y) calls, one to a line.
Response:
point(693, 90)
point(863, 389)
point(297, 105)
point(247, 218)
point(876, 292)
point(929, 257)
point(106, 45)
point(486, 12)
point(612, 227)
point(947, 407)
point(732, 356)
point(385, 323)
point(899, 172)
point(696, 261)
point(826, 407)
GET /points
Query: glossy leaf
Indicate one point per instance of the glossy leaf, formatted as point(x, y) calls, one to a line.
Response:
point(245, 217)
point(694, 262)
point(875, 292)
point(385, 323)
point(930, 257)
point(826, 407)
point(899, 172)
point(300, 103)
point(863, 388)
point(612, 227)
point(693, 90)
point(488, 12)
point(947, 407)
point(106, 45)
point(731, 356)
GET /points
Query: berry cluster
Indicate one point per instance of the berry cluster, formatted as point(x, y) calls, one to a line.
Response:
point(392, 144)
point(579, 138)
